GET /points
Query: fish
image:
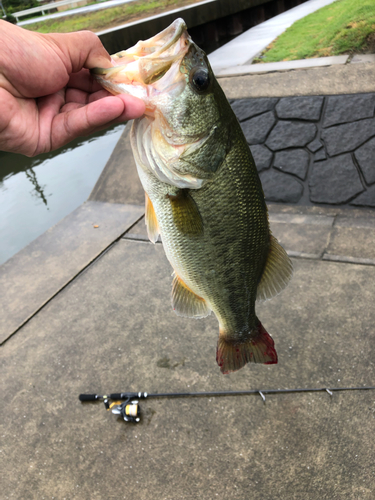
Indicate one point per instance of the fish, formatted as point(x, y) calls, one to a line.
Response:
point(203, 195)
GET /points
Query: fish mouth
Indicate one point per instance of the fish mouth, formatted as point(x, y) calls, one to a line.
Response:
point(155, 71)
point(136, 70)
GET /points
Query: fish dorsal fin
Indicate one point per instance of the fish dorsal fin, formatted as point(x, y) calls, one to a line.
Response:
point(277, 272)
point(186, 303)
point(151, 221)
point(185, 213)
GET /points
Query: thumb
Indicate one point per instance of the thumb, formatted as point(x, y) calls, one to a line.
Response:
point(57, 129)
point(82, 49)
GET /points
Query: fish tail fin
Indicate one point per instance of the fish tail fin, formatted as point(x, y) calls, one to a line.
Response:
point(233, 354)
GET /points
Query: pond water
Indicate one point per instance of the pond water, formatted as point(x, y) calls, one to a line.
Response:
point(36, 193)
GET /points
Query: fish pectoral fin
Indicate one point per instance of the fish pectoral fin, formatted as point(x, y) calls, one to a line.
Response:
point(186, 303)
point(151, 221)
point(185, 213)
point(277, 272)
point(232, 354)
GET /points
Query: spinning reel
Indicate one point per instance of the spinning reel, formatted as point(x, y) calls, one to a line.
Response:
point(120, 403)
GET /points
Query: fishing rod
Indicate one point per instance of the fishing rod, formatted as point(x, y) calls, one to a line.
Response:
point(126, 404)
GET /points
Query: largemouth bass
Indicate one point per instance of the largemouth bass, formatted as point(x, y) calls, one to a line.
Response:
point(203, 193)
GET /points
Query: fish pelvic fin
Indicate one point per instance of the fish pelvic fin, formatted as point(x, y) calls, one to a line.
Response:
point(153, 230)
point(233, 354)
point(185, 213)
point(186, 303)
point(277, 272)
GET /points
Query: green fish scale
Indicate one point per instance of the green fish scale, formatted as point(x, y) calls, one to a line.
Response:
point(224, 264)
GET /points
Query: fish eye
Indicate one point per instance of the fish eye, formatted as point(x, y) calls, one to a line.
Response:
point(200, 79)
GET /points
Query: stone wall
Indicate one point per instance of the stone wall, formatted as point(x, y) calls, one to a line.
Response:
point(313, 149)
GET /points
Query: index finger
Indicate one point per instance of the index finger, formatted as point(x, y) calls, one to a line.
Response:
point(84, 81)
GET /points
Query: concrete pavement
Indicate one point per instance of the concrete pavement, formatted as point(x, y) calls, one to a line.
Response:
point(112, 329)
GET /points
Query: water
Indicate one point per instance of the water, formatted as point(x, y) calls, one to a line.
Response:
point(36, 193)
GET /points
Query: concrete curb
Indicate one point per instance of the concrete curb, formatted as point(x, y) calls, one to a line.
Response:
point(329, 80)
point(247, 69)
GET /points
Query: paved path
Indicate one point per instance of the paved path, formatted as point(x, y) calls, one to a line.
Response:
point(245, 47)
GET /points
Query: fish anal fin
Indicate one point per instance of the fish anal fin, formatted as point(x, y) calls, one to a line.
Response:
point(232, 354)
point(185, 213)
point(151, 221)
point(185, 302)
point(277, 272)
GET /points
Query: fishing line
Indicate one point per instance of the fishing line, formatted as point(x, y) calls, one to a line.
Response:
point(126, 404)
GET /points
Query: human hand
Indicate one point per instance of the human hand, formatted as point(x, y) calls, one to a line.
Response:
point(47, 95)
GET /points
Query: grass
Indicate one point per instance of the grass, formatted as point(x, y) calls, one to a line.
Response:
point(344, 27)
point(107, 18)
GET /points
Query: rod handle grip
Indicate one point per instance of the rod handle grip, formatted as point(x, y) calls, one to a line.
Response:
point(88, 397)
point(118, 396)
